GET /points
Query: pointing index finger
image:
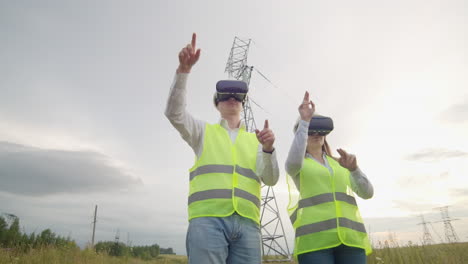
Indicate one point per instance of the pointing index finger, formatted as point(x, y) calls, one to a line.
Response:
point(194, 41)
point(340, 151)
point(266, 123)
point(306, 98)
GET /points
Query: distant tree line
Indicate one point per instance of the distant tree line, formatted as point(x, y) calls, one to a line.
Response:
point(167, 251)
point(12, 237)
point(119, 249)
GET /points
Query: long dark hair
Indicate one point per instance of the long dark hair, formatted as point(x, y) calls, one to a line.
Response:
point(326, 148)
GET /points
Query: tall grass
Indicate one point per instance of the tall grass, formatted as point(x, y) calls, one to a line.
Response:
point(50, 255)
point(456, 253)
point(383, 254)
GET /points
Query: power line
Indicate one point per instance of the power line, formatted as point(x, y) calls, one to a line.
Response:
point(257, 69)
point(259, 106)
point(275, 86)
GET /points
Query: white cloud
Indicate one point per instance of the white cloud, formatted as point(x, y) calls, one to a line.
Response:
point(456, 113)
point(35, 171)
point(433, 155)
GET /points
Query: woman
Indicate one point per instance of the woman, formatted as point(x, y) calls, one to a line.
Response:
point(326, 219)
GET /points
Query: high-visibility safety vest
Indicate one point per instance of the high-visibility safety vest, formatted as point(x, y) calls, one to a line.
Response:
point(223, 179)
point(326, 214)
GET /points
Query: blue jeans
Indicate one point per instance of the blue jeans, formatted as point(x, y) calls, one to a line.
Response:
point(338, 255)
point(215, 240)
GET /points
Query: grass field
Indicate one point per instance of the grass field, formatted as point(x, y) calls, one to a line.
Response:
point(76, 256)
point(411, 254)
point(432, 254)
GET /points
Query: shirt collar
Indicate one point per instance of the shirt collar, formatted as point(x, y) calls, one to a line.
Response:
point(324, 155)
point(223, 122)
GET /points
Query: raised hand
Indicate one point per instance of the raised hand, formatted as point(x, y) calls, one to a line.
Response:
point(347, 160)
point(188, 56)
point(306, 108)
point(266, 137)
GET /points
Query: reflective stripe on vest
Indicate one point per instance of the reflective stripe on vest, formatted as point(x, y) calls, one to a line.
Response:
point(223, 194)
point(329, 224)
point(224, 169)
point(322, 198)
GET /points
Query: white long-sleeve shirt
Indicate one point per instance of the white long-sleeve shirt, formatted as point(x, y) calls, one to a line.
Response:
point(359, 182)
point(193, 130)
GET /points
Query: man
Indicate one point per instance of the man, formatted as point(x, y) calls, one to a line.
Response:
point(225, 182)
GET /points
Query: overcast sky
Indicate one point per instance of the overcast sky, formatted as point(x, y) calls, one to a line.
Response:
point(84, 86)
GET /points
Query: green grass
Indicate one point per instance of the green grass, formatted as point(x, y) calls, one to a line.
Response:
point(431, 254)
point(392, 253)
point(383, 254)
point(72, 256)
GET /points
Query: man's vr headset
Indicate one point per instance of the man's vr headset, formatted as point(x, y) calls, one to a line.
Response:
point(226, 89)
point(321, 125)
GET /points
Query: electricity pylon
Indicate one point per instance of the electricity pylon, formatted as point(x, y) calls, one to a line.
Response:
point(450, 234)
point(271, 224)
point(237, 68)
point(427, 237)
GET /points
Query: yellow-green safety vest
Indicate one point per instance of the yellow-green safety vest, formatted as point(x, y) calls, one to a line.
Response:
point(326, 214)
point(223, 179)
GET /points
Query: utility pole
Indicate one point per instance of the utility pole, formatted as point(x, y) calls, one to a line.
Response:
point(450, 234)
point(271, 224)
point(94, 226)
point(427, 237)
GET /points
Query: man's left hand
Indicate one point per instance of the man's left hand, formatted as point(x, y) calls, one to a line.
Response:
point(266, 137)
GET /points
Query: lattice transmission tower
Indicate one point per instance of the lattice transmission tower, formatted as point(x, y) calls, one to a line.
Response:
point(273, 236)
point(427, 237)
point(450, 234)
point(237, 68)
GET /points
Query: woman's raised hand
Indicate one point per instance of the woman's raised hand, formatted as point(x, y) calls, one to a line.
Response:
point(306, 108)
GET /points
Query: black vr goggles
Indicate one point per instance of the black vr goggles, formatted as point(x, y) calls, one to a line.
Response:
point(321, 125)
point(226, 89)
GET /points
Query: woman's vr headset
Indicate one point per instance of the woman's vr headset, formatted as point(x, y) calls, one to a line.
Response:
point(321, 125)
point(226, 89)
